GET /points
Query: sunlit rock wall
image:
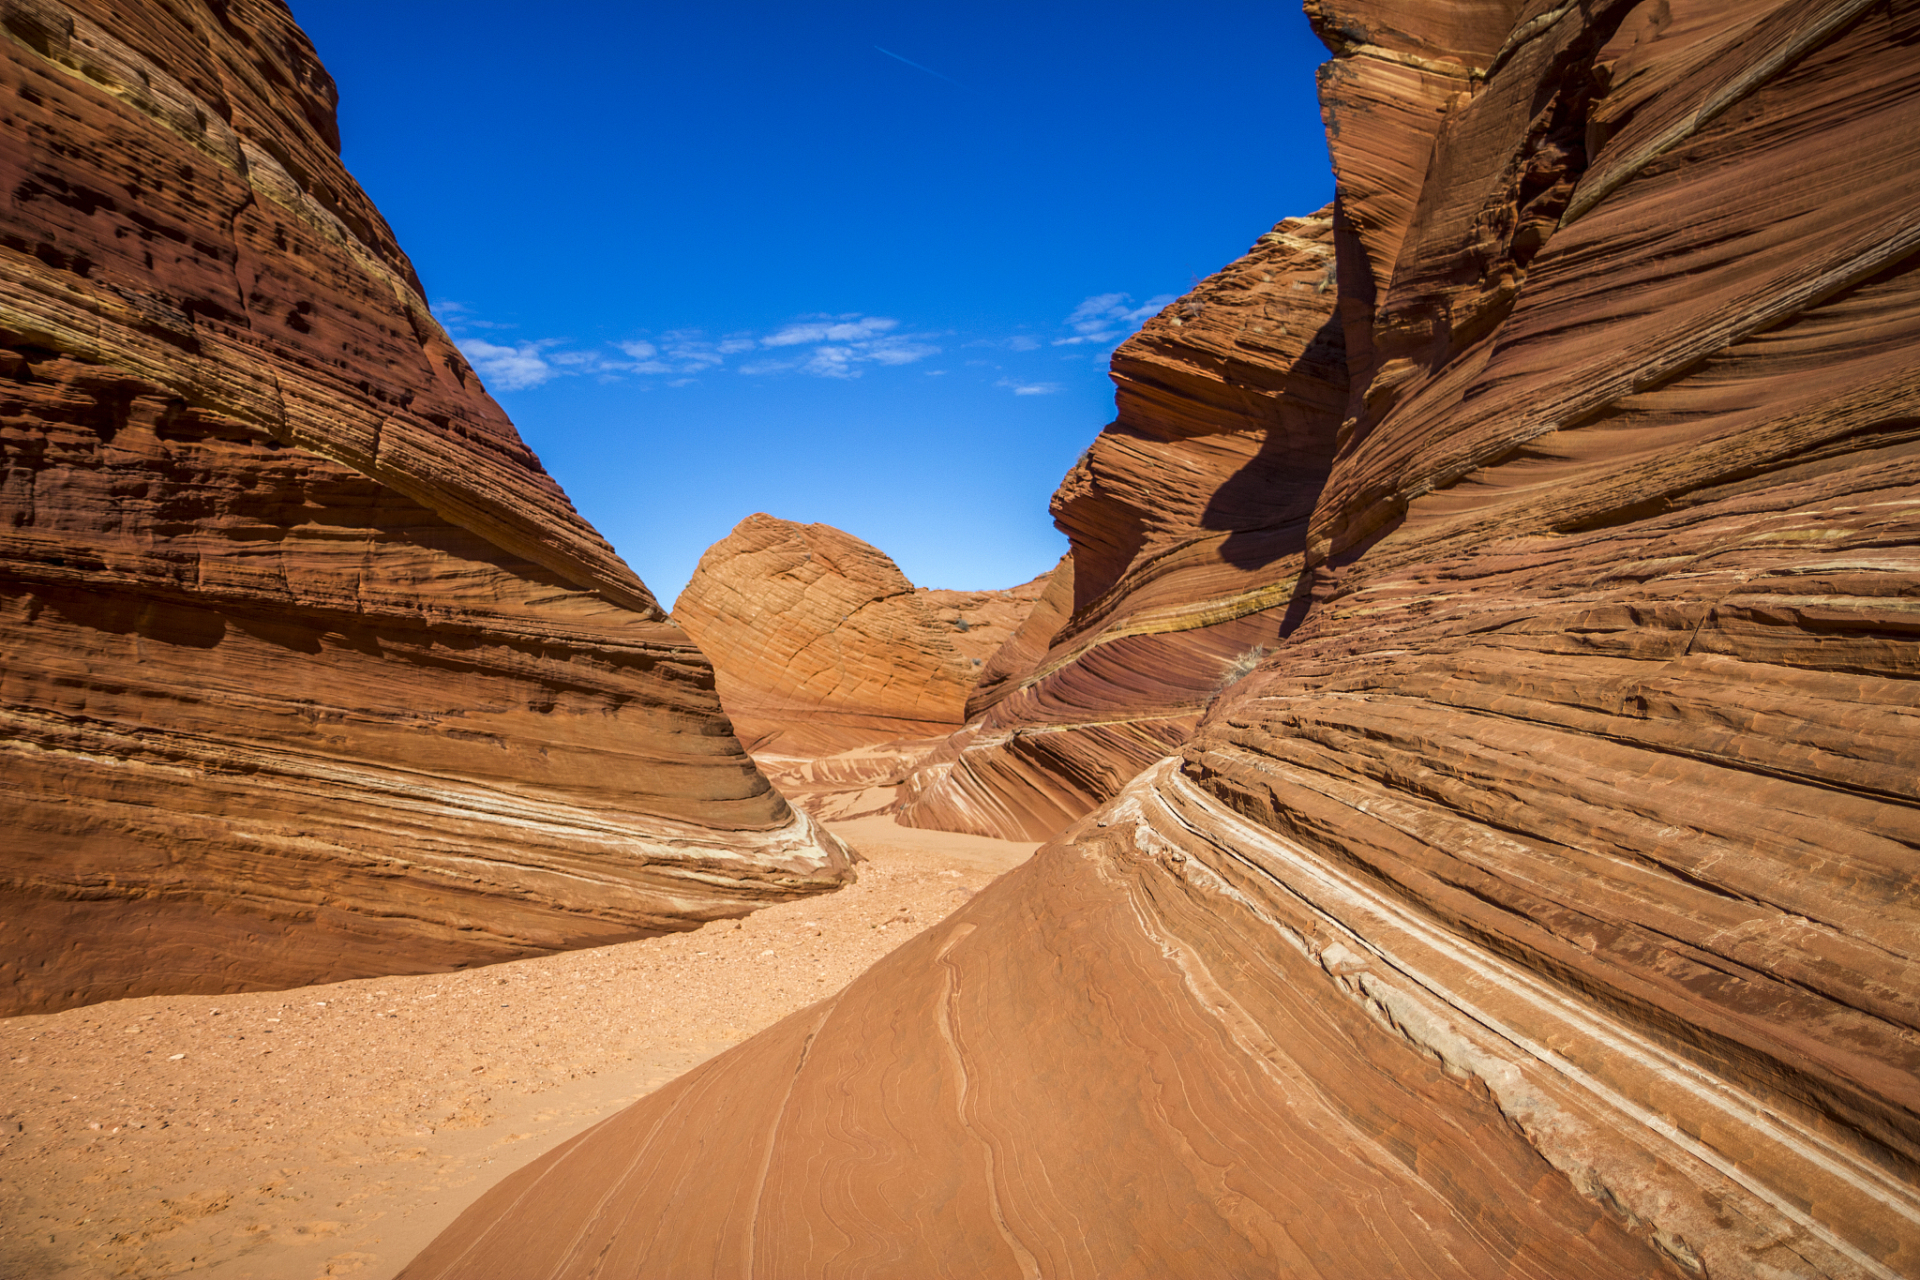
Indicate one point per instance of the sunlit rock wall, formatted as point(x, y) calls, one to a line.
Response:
point(1543, 903)
point(307, 668)
point(1188, 519)
point(839, 674)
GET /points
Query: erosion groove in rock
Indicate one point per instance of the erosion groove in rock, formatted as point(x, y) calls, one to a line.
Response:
point(838, 672)
point(1543, 902)
point(309, 670)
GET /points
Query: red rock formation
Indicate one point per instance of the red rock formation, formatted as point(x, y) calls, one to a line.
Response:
point(1021, 653)
point(1544, 904)
point(838, 673)
point(309, 671)
point(1188, 519)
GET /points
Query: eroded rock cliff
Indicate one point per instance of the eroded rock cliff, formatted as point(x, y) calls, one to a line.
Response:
point(838, 673)
point(1544, 903)
point(1188, 519)
point(309, 670)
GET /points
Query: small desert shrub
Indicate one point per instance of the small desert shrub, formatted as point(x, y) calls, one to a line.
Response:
point(1241, 665)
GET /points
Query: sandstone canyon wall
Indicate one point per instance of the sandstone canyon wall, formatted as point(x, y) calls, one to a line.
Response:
point(1188, 520)
point(307, 668)
point(1544, 902)
point(837, 672)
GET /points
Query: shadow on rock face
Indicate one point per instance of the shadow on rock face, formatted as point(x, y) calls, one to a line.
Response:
point(1266, 504)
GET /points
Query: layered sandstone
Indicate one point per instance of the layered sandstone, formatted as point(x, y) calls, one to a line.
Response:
point(1024, 650)
point(1544, 903)
point(838, 673)
point(1188, 519)
point(310, 671)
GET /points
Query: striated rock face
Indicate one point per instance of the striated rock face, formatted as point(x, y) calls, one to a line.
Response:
point(1544, 903)
point(1188, 519)
point(821, 642)
point(1024, 650)
point(838, 673)
point(307, 669)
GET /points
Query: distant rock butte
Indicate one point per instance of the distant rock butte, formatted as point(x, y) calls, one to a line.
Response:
point(837, 672)
point(307, 669)
point(1543, 904)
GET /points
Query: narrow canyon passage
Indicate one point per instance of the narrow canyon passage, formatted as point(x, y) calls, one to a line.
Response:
point(334, 1130)
point(1473, 723)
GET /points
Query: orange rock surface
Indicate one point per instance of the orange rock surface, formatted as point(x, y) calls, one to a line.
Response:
point(1544, 902)
point(309, 670)
point(1023, 651)
point(838, 672)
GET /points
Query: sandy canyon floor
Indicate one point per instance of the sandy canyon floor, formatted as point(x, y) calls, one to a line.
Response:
point(334, 1130)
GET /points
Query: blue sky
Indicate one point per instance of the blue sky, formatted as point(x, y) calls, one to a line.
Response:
point(854, 263)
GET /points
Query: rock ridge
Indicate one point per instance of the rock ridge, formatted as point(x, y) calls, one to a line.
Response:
point(311, 671)
point(1187, 519)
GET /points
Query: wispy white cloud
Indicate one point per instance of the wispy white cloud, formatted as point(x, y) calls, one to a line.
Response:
point(522, 366)
point(459, 315)
point(1018, 342)
point(830, 329)
point(840, 346)
point(831, 362)
point(690, 351)
point(514, 368)
point(642, 357)
point(917, 67)
point(900, 351)
point(1108, 317)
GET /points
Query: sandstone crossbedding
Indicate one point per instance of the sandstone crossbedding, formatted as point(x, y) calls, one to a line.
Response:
point(310, 670)
point(1543, 902)
point(839, 674)
point(1188, 521)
